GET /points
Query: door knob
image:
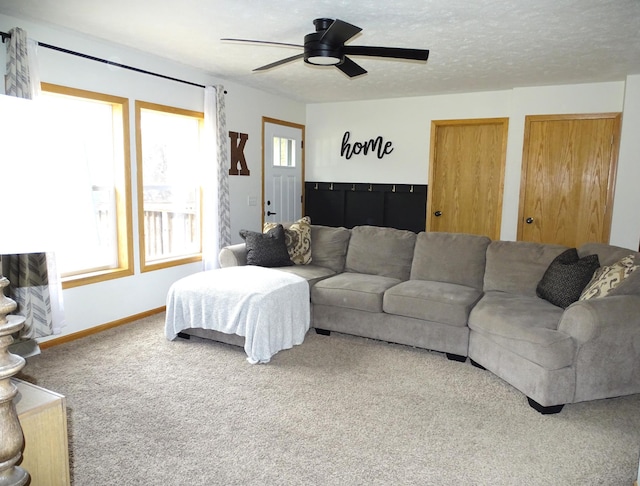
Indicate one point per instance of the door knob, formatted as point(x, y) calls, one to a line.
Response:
point(269, 213)
point(438, 213)
point(529, 220)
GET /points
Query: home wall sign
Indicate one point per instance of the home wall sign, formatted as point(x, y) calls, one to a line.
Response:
point(238, 141)
point(374, 145)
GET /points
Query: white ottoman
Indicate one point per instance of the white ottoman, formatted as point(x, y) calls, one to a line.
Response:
point(269, 308)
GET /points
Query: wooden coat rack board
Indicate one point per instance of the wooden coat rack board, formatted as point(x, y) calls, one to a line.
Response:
point(401, 206)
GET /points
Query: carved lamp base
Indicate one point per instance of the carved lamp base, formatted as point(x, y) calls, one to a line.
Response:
point(10, 429)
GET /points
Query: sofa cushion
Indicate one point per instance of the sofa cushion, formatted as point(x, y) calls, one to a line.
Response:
point(566, 277)
point(517, 266)
point(607, 254)
point(441, 302)
point(353, 290)
point(387, 252)
point(311, 273)
point(450, 257)
point(266, 249)
point(329, 246)
point(298, 239)
point(526, 326)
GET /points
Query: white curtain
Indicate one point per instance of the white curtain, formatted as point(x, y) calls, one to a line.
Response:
point(34, 68)
point(34, 281)
point(216, 231)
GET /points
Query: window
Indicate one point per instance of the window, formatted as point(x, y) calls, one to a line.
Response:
point(169, 189)
point(284, 154)
point(91, 154)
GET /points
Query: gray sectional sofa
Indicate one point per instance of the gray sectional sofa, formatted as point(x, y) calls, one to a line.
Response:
point(468, 296)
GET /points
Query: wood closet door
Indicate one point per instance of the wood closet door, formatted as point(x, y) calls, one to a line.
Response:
point(466, 176)
point(568, 174)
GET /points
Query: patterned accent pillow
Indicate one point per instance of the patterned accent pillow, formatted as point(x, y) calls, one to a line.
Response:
point(266, 249)
point(609, 277)
point(298, 239)
point(566, 277)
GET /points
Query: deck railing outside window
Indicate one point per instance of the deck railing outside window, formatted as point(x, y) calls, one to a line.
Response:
point(171, 228)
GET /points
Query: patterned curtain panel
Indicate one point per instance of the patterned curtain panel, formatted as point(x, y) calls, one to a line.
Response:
point(18, 78)
point(216, 232)
point(29, 287)
point(29, 273)
point(224, 207)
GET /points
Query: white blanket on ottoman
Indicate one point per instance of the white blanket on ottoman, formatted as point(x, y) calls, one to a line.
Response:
point(268, 307)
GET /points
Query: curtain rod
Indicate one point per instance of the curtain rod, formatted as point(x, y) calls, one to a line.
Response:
point(6, 36)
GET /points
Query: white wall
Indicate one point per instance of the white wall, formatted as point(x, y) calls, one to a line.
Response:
point(407, 123)
point(101, 303)
point(626, 218)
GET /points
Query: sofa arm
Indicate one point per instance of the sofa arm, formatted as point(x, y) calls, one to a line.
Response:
point(233, 255)
point(591, 319)
point(607, 334)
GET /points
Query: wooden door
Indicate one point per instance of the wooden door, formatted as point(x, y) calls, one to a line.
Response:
point(568, 174)
point(466, 176)
point(282, 170)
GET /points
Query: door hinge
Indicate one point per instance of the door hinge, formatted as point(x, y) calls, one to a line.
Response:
point(302, 144)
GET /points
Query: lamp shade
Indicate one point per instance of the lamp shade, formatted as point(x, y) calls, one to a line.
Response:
point(27, 178)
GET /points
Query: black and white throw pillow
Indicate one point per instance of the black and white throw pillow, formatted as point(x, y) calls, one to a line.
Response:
point(566, 277)
point(267, 249)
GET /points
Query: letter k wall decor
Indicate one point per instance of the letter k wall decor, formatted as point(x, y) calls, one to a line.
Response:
point(238, 142)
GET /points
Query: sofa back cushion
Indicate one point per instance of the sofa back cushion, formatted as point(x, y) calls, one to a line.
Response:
point(450, 257)
point(381, 251)
point(517, 266)
point(608, 256)
point(329, 246)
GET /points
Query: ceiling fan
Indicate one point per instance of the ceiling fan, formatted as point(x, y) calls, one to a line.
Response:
point(326, 47)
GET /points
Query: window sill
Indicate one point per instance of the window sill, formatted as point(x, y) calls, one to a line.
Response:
point(160, 264)
point(95, 277)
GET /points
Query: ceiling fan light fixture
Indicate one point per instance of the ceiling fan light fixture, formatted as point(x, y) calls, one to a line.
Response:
point(321, 53)
point(326, 47)
point(324, 60)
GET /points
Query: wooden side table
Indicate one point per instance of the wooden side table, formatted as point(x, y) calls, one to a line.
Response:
point(43, 416)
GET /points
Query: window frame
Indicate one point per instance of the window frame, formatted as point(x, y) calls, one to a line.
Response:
point(290, 153)
point(122, 189)
point(170, 261)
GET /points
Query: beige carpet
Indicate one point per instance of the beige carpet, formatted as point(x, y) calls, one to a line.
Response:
point(336, 410)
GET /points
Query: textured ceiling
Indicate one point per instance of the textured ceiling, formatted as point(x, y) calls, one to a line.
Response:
point(475, 45)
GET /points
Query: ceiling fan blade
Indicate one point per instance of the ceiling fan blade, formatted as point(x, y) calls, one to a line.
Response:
point(339, 32)
point(395, 52)
point(280, 62)
point(249, 41)
point(350, 68)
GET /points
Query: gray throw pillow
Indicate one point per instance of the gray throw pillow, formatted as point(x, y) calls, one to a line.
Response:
point(566, 277)
point(267, 249)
